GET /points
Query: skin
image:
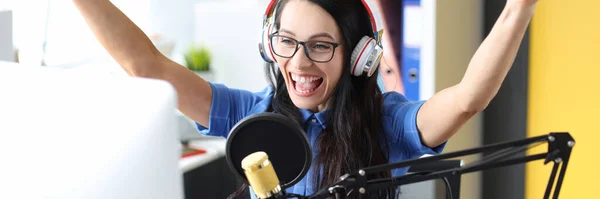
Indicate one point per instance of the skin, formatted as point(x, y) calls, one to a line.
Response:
point(128, 45)
point(482, 79)
point(316, 21)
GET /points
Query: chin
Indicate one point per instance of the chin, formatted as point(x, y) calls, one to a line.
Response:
point(305, 104)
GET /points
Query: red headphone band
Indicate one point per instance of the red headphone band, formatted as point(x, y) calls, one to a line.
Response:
point(270, 8)
point(370, 15)
point(272, 4)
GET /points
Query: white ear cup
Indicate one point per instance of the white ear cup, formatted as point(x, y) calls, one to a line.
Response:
point(365, 57)
point(264, 46)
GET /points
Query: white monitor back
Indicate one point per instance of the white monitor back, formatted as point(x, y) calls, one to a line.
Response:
point(67, 135)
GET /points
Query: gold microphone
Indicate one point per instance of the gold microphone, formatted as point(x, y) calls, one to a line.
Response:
point(261, 175)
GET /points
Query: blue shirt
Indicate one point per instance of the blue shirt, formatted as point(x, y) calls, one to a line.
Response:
point(399, 117)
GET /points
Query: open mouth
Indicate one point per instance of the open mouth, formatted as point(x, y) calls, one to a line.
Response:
point(306, 85)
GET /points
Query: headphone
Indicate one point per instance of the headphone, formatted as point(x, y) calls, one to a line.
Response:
point(365, 56)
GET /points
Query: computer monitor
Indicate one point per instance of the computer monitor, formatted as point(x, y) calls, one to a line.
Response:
point(67, 135)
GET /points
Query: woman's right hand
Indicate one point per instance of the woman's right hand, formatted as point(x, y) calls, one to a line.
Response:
point(138, 56)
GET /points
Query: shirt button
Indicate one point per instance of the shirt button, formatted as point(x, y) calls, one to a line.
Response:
point(314, 120)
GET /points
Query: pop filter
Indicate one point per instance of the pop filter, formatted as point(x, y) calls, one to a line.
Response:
point(280, 137)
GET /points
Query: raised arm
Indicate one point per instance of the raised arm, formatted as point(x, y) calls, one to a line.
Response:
point(135, 53)
point(441, 116)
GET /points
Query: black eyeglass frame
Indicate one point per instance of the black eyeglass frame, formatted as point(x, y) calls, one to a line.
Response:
point(303, 43)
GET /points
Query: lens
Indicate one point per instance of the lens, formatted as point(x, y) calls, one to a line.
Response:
point(284, 46)
point(320, 51)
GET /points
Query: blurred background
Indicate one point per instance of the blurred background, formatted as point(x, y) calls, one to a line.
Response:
point(552, 87)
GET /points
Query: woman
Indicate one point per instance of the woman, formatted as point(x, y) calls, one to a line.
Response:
point(349, 122)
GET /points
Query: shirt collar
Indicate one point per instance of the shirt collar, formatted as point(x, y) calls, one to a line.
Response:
point(321, 117)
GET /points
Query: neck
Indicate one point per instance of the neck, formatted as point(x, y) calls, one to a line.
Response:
point(322, 107)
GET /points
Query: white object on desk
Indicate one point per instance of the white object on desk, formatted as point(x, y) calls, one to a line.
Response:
point(66, 135)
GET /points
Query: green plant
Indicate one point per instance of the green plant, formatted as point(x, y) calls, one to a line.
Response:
point(198, 58)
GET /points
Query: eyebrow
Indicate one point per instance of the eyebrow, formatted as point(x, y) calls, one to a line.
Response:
point(323, 34)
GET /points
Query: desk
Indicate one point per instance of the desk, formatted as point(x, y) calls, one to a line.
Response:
point(215, 149)
point(208, 175)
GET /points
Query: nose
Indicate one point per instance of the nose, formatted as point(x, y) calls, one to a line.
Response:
point(300, 59)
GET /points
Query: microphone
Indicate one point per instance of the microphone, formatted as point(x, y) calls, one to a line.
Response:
point(261, 176)
point(285, 142)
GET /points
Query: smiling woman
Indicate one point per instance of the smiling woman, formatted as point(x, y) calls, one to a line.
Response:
point(317, 59)
point(321, 59)
point(304, 85)
point(314, 75)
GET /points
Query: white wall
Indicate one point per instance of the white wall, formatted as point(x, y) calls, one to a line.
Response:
point(175, 20)
point(231, 29)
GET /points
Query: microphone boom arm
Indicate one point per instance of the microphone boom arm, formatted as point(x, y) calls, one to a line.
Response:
point(560, 145)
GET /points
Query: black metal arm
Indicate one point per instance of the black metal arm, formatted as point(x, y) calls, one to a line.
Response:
point(560, 145)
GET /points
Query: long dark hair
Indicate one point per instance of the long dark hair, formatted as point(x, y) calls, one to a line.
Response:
point(354, 136)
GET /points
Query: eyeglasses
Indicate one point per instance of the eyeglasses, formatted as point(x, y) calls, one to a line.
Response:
point(317, 51)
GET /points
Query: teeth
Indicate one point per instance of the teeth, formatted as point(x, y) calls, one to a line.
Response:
point(304, 79)
point(306, 91)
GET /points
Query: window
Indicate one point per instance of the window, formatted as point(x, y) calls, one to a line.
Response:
point(54, 30)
